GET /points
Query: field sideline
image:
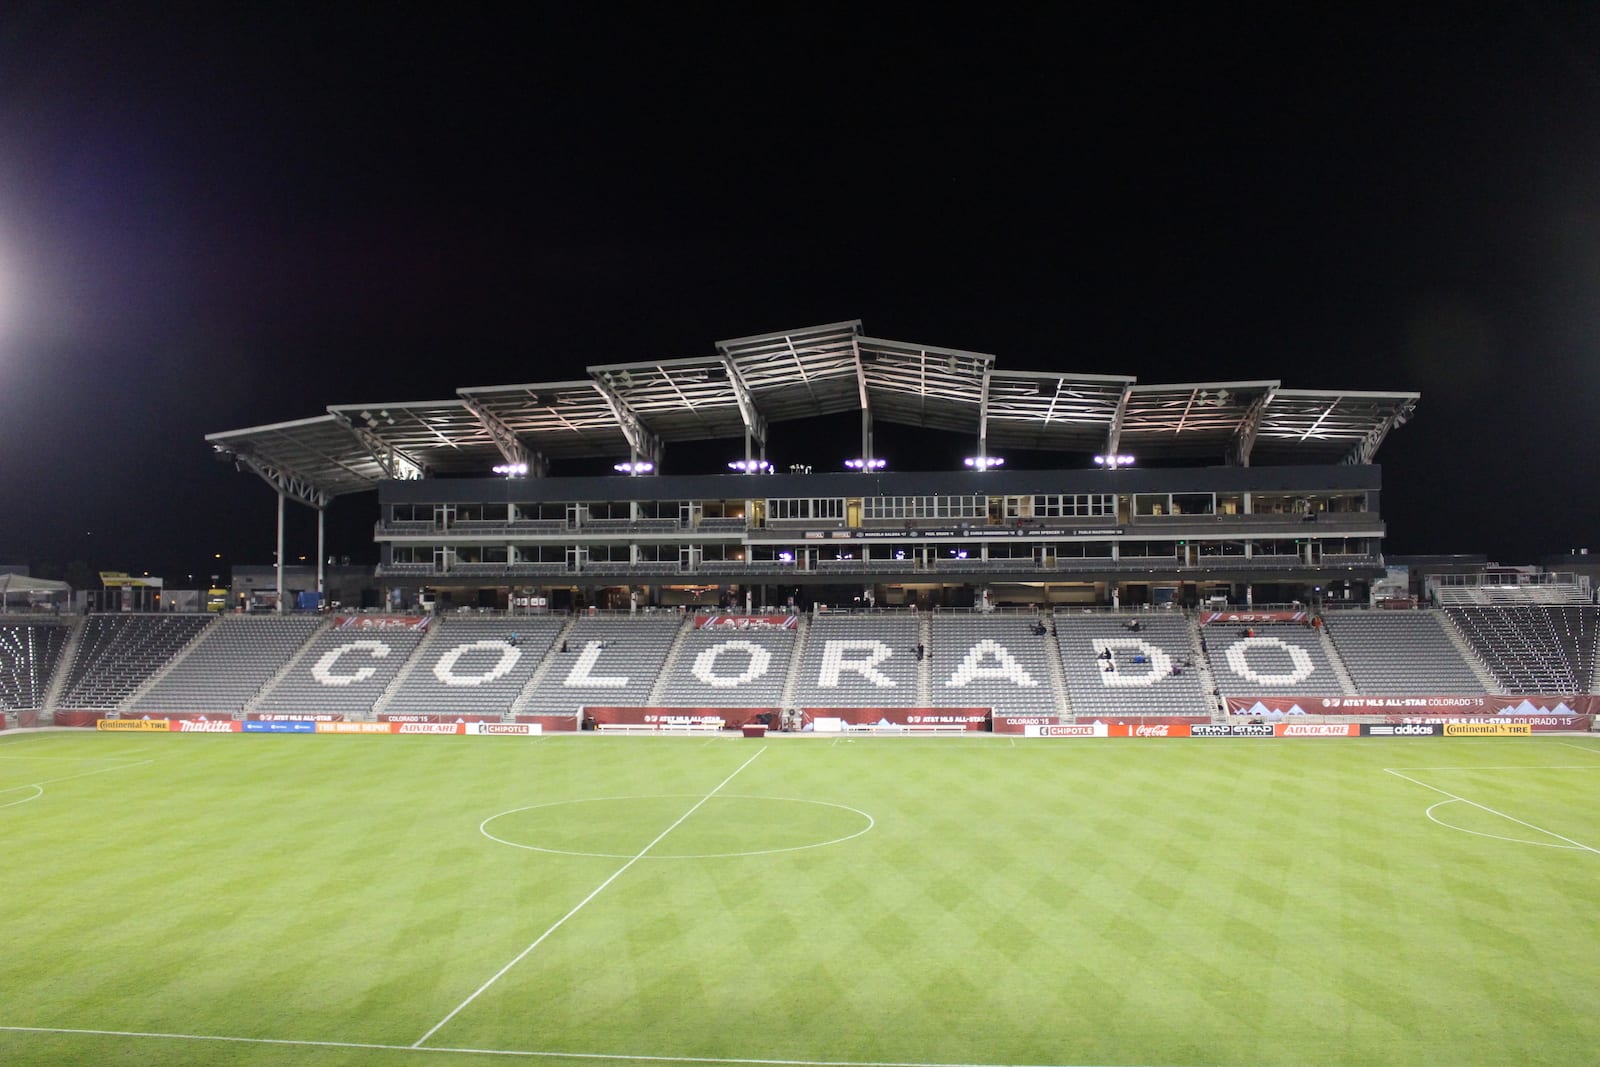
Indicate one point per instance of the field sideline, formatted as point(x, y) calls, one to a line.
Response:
point(586, 900)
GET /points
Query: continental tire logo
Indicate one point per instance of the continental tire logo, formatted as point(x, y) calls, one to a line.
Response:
point(133, 725)
point(1487, 729)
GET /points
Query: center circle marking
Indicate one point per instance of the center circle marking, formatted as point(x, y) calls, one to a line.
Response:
point(868, 821)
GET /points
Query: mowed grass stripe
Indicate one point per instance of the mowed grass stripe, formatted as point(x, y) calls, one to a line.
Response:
point(1158, 902)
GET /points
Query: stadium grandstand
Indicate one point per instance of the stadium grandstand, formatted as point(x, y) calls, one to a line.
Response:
point(1153, 551)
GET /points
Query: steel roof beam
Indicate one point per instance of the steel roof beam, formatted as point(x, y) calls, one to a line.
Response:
point(644, 443)
point(1243, 441)
point(512, 450)
point(1367, 447)
point(292, 485)
point(395, 463)
point(755, 423)
point(1118, 418)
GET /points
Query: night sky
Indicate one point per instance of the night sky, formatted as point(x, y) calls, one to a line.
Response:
point(213, 218)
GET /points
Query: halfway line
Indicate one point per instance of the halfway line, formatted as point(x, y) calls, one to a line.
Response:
point(518, 958)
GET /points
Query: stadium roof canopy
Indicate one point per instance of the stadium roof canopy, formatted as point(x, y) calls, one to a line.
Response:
point(747, 384)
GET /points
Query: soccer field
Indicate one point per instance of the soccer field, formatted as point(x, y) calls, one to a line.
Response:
point(585, 900)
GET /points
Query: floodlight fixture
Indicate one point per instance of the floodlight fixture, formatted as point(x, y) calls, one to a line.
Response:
point(639, 467)
point(984, 463)
point(511, 470)
point(866, 464)
point(1114, 461)
point(749, 466)
point(785, 557)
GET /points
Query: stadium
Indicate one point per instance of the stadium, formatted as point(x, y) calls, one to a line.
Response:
point(867, 765)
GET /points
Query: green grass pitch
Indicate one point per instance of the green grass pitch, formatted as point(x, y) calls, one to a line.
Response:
point(582, 901)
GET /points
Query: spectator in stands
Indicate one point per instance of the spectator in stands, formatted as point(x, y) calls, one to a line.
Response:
point(1132, 625)
point(1111, 665)
point(515, 639)
point(563, 644)
point(922, 650)
point(1104, 654)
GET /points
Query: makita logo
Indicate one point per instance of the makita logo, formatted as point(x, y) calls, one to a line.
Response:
point(205, 727)
point(1152, 731)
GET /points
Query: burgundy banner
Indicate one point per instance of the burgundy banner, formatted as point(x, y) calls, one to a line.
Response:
point(1018, 724)
point(1150, 729)
point(381, 622)
point(27, 719)
point(289, 716)
point(964, 718)
point(746, 622)
point(1454, 705)
point(668, 718)
point(1207, 617)
point(203, 726)
point(566, 722)
point(435, 718)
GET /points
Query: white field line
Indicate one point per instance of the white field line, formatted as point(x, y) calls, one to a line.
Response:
point(69, 777)
point(1492, 811)
point(519, 957)
point(1590, 748)
point(434, 1050)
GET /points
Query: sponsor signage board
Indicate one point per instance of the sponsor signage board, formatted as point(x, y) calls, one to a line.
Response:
point(381, 622)
point(505, 729)
point(1317, 729)
point(428, 727)
point(1245, 617)
point(352, 727)
point(133, 725)
point(192, 726)
point(1232, 729)
point(1520, 705)
point(1487, 729)
point(1412, 729)
point(289, 716)
point(746, 622)
point(1080, 729)
point(1019, 724)
point(293, 726)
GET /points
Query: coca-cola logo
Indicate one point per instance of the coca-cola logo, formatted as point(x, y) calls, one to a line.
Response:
point(1151, 731)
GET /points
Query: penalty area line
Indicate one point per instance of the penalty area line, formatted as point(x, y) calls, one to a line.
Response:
point(618, 873)
point(436, 1050)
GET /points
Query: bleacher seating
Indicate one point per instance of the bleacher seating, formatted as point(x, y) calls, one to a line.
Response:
point(1163, 641)
point(29, 653)
point(1400, 653)
point(343, 671)
point(991, 661)
point(720, 667)
point(229, 664)
point(118, 653)
point(471, 666)
point(1280, 659)
point(1533, 648)
point(609, 661)
point(855, 661)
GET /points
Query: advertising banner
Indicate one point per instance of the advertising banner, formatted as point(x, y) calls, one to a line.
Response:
point(932, 719)
point(381, 622)
point(504, 729)
point(1232, 729)
point(563, 723)
point(1081, 729)
point(1020, 724)
point(1487, 729)
point(323, 727)
point(1244, 618)
point(437, 718)
point(746, 622)
point(1150, 729)
point(1317, 729)
point(296, 726)
point(1540, 724)
point(678, 718)
point(1415, 729)
point(214, 726)
point(132, 725)
point(289, 716)
point(1529, 704)
point(427, 727)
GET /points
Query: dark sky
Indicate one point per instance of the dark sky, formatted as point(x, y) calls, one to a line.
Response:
point(212, 218)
